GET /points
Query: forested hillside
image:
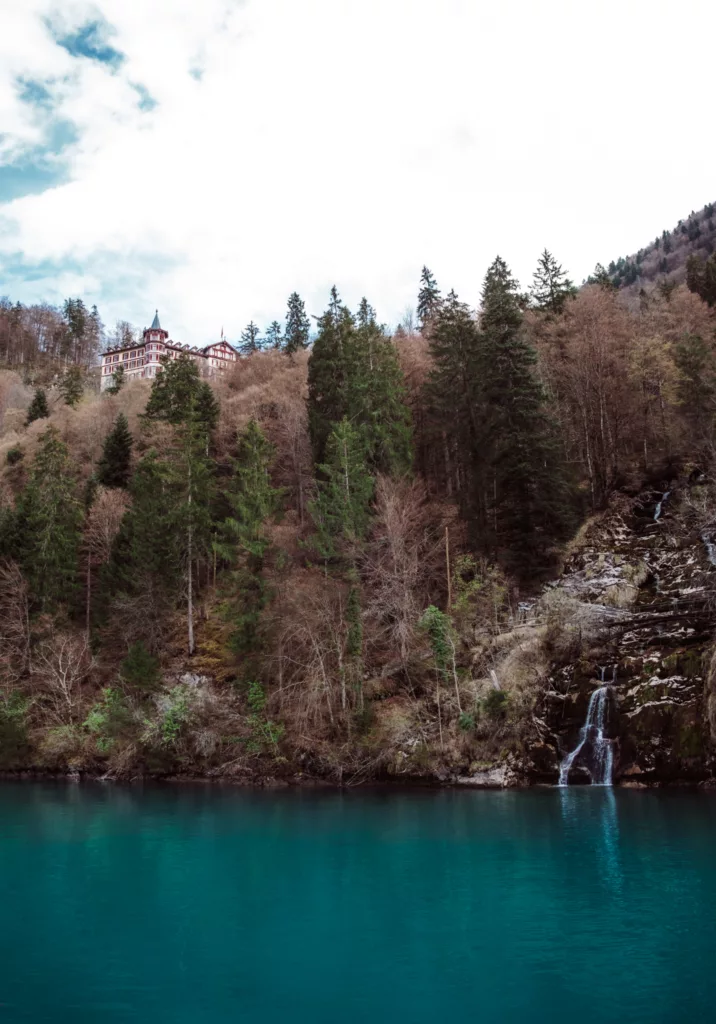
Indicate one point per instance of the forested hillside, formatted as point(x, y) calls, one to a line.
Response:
point(676, 256)
point(333, 562)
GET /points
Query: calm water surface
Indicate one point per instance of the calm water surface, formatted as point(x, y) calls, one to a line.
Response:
point(206, 905)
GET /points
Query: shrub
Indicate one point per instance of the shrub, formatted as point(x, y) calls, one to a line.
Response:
point(13, 727)
point(108, 719)
point(140, 669)
point(14, 455)
point(494, 705)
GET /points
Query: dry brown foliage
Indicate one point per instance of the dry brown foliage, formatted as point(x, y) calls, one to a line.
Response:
point(15, 635)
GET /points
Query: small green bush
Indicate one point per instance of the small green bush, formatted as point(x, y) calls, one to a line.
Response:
point(494, 705)
point(140, 669)
point(14, 455)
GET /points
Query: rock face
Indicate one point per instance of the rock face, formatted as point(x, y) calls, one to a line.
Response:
point(643, 585)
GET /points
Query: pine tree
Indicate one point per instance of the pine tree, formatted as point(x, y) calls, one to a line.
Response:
point(181, 398)
point(551, 287)
point(297, 325)
point(697, 387)
point(76, 320)
point(118, 381)
point(114, 465)
point(146, 566)
point(273, 335)
point(455, 414)
point(428, 299)
point(345, 490)
point(250, 339)
point(329, 371)
point(242, 536)
point(47, 524)
point(601, 277)
point(528, 501)
point(71, 386)
point(38, 407)
point(377, 397)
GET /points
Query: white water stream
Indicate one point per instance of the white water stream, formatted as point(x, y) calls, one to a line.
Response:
point(657, 511)
point(592, 734)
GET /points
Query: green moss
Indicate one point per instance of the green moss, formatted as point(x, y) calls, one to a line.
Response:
point(689, 741)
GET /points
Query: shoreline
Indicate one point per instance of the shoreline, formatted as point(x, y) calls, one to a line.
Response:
point(315, 783)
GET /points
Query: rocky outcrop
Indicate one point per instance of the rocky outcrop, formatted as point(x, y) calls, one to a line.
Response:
point(644, 582)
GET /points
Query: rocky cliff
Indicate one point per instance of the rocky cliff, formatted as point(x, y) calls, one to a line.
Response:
point(634, 611)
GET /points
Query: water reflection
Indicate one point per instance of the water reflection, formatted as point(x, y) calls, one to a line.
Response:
point(599, 806)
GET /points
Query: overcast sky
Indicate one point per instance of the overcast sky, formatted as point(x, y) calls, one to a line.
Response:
point(208, 157)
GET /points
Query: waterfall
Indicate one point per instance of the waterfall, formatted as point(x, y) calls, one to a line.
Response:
point(710, 548)
point(657, 511)
point(592, 733)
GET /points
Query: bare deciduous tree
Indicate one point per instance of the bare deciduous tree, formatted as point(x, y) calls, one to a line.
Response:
point(63, 664)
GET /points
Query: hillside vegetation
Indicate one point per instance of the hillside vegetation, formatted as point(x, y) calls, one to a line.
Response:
point(665, 261)
point(322, 565)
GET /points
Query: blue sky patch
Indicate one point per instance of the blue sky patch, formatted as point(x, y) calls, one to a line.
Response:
point(90, 41)
point(146, 100)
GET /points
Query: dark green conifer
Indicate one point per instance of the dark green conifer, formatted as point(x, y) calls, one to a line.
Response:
point(38, 407)
point(528, 502)
point(250, 339)
point(47, 524)
point(345, 490)
point(181, 398)
point(118, 381)
point(242, 537)
point(273, 335)
point(298, 325)
point(551, 288)
point(72, 386)
point(329, 372)
point(115, 464)
point(428, 299)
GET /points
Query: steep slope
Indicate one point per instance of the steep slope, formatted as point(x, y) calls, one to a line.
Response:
point(665, 258)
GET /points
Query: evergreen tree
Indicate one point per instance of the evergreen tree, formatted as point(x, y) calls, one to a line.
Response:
point(297, 325)
point(250, 339)
point(181, 398)
point(273, 335)
point(114, 465)
point(38, 407)
point(377, 398)
point(697, 388)
point(329, 371)
point(76, 320)
point(345, 490)
point(551, 287)
point(242, 537)
point(701, 278)
point(71, 386)
point(118, 381)
point(146, 564)
point(455, 413)
point(601, 277)
point(179, 392)
point(528, 499)
point(140, 669)
point(47, 524)
point(428, 299)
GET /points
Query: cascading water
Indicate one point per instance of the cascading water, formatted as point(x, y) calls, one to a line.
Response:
point(710, 547)
point(592, 736)
point(657, 510)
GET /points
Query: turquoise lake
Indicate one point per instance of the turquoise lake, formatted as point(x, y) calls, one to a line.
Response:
point(209, 905)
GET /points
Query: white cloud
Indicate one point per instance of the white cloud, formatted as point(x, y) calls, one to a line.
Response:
point(336, 140)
